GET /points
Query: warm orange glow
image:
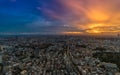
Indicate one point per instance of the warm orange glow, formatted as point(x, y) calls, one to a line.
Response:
point(93, 31)
point(103, 29)
point(73, 33)
point(97, 15)
point(94, 17)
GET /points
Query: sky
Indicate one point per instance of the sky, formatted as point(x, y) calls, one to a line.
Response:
point(95, 17)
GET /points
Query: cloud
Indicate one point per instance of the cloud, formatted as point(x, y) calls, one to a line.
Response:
point(98, 12)
point(40, 23)
point(44, 25)
point(83, 15)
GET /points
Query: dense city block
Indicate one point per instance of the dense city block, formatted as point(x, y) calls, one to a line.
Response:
point(59, 55)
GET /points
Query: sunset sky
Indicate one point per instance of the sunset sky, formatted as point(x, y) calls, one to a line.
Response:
point(97, 17)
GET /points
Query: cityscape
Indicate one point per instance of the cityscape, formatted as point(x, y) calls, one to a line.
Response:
point(59, 37)
point(59, 55)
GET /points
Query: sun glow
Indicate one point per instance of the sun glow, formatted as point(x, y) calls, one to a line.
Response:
point(94, 17)
point(93, 31)
point(98, 15)
point(73, 33)
point(103, 29)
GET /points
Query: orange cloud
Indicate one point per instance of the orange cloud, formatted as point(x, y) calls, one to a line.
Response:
point(94, 16)
point(71, 33)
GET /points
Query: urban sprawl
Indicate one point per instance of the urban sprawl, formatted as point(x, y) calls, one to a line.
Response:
point(59, 55)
